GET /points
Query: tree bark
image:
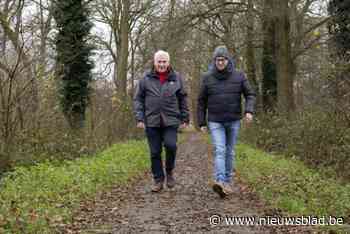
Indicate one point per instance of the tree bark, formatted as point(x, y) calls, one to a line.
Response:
point(269, 82)
point(250, 51)
point(285, 94)
point(123, 50)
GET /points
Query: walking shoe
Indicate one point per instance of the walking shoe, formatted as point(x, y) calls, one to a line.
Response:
point(170, 181)
point(227, 188)
point(157, 186)
point(218, 187)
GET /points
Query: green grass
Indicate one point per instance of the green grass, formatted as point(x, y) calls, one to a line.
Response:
point(289, 185)
point(36, 198)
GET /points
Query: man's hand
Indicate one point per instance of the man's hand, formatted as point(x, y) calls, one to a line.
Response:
point(140, 125)
point(248, 118)
point(204, 129)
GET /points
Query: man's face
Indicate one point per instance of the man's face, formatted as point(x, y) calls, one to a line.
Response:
point(161, 63)
point(221, 63)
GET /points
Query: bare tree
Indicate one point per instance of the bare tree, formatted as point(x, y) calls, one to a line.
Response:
point(121, 17)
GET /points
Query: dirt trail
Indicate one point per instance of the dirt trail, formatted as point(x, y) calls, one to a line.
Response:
point(184, 209)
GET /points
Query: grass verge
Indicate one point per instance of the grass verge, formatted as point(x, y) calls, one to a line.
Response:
point(34, 199)
point(289, 185)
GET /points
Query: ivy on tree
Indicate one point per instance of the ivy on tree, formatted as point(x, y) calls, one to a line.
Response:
point(74, 66)
point(339, 27)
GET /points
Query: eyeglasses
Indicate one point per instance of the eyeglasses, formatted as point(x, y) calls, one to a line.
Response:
point(218, 60)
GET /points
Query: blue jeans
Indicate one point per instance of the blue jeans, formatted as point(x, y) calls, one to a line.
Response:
point(224, 138)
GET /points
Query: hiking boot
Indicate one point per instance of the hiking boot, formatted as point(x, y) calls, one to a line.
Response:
point(228, 188)
point(157, 186)
point(218, 187)
point(170, 181)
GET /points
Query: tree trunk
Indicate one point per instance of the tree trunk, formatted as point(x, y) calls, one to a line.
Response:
point(133, 51)
point(285, 94)
point(269, 82)
point(250, 52)
point(122, 65)
point(170, 42)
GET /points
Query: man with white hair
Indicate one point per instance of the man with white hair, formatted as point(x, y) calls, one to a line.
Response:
point(160, 107)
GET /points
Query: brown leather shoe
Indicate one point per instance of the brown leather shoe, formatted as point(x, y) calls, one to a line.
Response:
point(218, 187)
point(170, 181)
point(228, 189)
point(157, 186)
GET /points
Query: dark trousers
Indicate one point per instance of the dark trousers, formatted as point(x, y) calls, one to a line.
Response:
point(156, 138)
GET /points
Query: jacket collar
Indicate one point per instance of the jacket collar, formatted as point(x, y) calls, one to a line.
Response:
point(171, 75)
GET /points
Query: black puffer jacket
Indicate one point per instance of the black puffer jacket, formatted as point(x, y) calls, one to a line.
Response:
point(220, 93)
point(156, 103)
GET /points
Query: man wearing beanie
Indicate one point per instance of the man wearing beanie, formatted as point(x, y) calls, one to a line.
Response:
point(220, 96)
point(160, 106)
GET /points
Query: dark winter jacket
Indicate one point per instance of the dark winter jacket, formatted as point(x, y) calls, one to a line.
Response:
point(220, 95)
point(158, 104)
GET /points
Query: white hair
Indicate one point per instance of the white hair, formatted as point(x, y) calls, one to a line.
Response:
point(162, 53)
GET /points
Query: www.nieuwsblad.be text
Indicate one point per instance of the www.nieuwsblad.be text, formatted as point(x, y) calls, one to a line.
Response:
point(216, 220)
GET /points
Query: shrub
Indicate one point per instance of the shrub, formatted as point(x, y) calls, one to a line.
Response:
point(316, 137)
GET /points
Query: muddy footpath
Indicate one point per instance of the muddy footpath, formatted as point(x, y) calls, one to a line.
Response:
point(190, 207)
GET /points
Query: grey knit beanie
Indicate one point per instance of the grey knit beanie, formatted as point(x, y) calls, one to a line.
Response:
point(221, 51)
